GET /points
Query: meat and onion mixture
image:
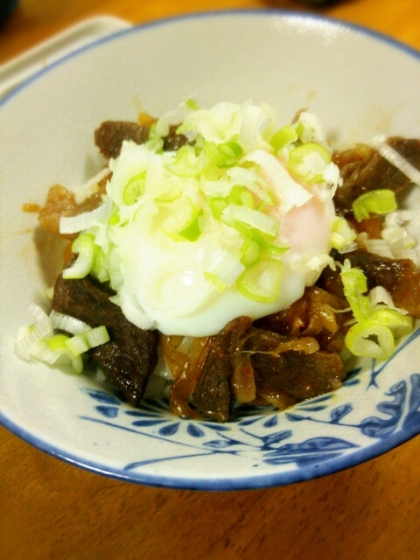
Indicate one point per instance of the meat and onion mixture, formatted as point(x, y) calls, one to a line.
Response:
point(242, 262)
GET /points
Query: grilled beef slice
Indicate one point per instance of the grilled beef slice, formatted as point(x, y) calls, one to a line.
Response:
point(398, 276)
point(130, 356)
point(299, 374)
point(212, 396)
point(279, 366)
point(363, 169)
point(110, 136)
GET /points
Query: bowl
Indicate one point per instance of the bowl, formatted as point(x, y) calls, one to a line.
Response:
point(351, 78)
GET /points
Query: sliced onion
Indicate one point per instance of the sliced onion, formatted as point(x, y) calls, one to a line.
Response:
point(396, 159)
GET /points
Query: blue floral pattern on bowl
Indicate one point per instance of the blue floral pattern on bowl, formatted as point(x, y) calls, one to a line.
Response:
point(266, 437)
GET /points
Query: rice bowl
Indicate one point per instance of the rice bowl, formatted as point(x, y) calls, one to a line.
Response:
point(148, 445)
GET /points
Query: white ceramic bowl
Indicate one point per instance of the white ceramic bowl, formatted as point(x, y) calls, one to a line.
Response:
point(357, 82)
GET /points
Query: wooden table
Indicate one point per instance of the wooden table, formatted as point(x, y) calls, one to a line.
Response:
point(50, 510)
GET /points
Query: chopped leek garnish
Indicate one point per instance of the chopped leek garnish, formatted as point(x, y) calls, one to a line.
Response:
point(342, 234)
point(55, 352)
point(84, 246)
point(250, 251)
point(377, 326)
point(261, 281)
point(309, 161)
point(355, 286)
point(223, 155)
point(134, 188)
point(283, 137)
point(178, 215)
point(371, 340)
point(192, 104)
point(215, 281)
point(41, 341)
point(241, 196)
point(187, 163)
point(379, 201)
point(253, 218)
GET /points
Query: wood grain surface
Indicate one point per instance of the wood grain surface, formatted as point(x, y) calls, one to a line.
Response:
point(50, 510)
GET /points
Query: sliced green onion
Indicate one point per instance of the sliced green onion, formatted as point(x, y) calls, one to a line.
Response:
point(84, 246)
point(287, 191)
point(379, 201)
point(268, 243)
point(67, 323)
point(99, 267)
point(116, 277)
point(217, 282)
point(250, 251)
point(223, 155)
point(231, 151)
point(241, 196)
point(155, 141)
point(309, 161)
point(254, 218)
point(179, 215)
point(57, 341)
point(374, 333)
point(371, 340)
point(77, 344)
point(400, 325)
point(247, 176)
point(187, 164)
point(96, 336)
point(341, 234)
point(216, 205)
point(355, 285)
point(221, 266)
point(193, 231)
point(134, 189)
point(261, 281)
point(299, 128)
point(173, 192)
point(55, 352)
point(81, 343)
point(283, 137)
point(191, 103)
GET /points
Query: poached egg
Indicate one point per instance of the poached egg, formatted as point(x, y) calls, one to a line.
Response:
point(236, 222)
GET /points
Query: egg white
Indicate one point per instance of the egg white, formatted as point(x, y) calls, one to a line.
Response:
point(171, 294)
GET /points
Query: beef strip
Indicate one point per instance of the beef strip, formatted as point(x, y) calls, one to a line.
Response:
point(314, 314)
point(62, 202)
point(398, 276)
point(212, 396)
point(299, 374)
point(111, 134)
point(363, 169)
point(129, 358)
point(174, 141)
point(290, 368)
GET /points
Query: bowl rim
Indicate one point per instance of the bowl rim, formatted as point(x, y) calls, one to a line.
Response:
point(243, 12)
point(225, 482)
